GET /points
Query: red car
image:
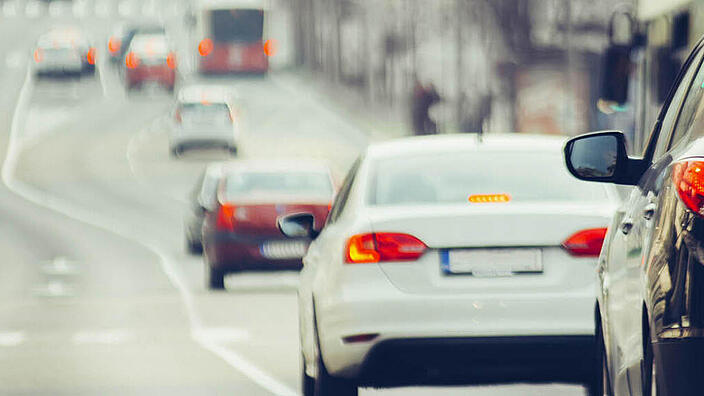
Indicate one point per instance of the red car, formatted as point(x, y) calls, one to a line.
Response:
point(150, 59)
point(241, 233)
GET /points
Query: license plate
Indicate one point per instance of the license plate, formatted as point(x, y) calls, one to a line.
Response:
point(235, 56)
point(283, 249)
point(491, 262)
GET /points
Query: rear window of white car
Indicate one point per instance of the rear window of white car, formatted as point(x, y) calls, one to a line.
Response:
point(454, 177)
point(204, 111)
point(247, 184)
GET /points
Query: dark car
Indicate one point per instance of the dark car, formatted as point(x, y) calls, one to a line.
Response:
point(650, 308)
point(241, 233)
point(202, 200)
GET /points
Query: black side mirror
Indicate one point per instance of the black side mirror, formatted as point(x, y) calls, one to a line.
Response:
point(602, 157)
point(298, 225)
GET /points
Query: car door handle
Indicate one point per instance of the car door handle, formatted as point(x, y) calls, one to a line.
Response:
point(626, 226)
point(649, 211)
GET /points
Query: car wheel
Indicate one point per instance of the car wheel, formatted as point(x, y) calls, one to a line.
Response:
point(328, 385)
point(194, 247)
point(649, 373)
point(601, 381)
point(216, 278)
point(307, 382)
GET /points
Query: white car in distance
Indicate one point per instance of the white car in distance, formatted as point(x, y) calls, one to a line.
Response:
point(204, 117)
point(450, 260)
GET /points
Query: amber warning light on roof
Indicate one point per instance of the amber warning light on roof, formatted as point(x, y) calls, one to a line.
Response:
point(489, 198)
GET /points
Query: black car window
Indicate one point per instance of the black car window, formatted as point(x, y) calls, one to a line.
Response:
point(678, 108)
point(343, 194)
point(691, 118)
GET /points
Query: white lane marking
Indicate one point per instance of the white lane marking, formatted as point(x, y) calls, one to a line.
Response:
point(60, 266)
point(80, 8)
point(149, 8)
point(54, 288)
point(11, 338)
point(9, 9)
point(125, 8)
point(33, 8)
point(102, 8)
point(106, 337)
point(56, 9)
point(36, 196)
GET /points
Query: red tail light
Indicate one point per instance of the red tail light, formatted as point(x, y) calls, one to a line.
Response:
point(114, 45)
point(131, 60)
point(688, 177)
point(225, 220)
point(90, 56)
point(205, 47)
point(585, 243)
point(171, 60)
point(383, 246)
point(38, 55)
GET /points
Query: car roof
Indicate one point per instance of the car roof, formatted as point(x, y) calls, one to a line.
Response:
point(201, 93)
point(463, 142)
point(62, 36)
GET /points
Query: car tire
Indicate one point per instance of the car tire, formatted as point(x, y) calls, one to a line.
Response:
point(193, 247)
point(307, 382)
point(328, 385)
point(216, 278)
point(649, 372)
point(600, 385)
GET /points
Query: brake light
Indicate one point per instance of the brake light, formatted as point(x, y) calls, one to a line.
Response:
point(171, 60)
point(688, 177)
point(225, 220)
point(383, 246)
point(131, 60)
point(114, 45)
point(90, 56)
point(585, 243)
point(38, 55)
point(205, 47)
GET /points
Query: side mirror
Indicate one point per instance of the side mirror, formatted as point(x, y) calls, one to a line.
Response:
point(602, 157)
point(298, 225)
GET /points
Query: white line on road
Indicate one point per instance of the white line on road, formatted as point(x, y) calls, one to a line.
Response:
point(31, 194)
point(10, 339)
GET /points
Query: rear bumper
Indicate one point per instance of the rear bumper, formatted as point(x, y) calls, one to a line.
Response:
point(235, 252)
point(367, 303)
point(162, 75)
point(202, 140)
point(480, 360)
point(680, 364)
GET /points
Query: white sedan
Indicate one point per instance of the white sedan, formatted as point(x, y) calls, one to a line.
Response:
point(450, 260)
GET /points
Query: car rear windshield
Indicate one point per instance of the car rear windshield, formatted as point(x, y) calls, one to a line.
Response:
point(241, 25)
point(150, 46)
point(455, 177)
point(247, 184)
point(200, 111)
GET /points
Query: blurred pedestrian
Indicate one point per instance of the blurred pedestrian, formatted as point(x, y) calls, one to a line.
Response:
point(424, 97)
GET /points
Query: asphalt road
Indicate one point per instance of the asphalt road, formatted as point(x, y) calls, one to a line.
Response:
point(97, 295)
